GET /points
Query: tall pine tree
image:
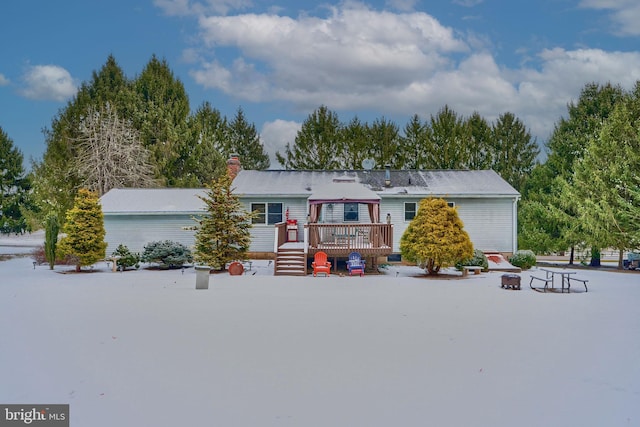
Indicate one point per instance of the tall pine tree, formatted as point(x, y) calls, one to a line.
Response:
point(224, 232)
point(13, 187)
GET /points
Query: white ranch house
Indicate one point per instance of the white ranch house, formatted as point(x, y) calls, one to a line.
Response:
point(335, 211)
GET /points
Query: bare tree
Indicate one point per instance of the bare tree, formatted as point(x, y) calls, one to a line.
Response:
point(111, 154)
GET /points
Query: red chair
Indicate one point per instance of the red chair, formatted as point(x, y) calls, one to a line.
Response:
point(320, 264)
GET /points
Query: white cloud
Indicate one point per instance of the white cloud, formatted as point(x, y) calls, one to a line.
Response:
point(625, 14)
point(352, 51)
point(3, 80)
point(394, 64)
point(48, 82)
point(275, 136)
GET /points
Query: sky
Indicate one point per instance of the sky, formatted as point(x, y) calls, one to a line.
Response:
point(282, 59)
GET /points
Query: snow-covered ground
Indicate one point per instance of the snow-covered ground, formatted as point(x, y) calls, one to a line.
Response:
point(145, 348)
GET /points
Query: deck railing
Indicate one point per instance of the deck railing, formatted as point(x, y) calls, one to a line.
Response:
point(342, 238)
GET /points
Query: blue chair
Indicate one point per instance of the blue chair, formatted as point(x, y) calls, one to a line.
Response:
point(355, 264)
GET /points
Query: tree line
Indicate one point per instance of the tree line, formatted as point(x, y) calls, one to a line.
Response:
point(445, 141)
point(121, 132)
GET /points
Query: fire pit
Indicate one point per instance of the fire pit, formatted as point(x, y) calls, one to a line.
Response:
point(510, 281)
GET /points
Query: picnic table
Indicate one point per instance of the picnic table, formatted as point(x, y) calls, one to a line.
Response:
point(565, 276)
point(550, 279)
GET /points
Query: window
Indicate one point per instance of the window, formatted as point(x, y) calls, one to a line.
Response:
point(451, 204)
point(409, 211)
point(267, 213)
point(350, 212)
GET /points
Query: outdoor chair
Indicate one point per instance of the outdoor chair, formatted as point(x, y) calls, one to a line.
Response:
point(320, 264)
point(355, 264)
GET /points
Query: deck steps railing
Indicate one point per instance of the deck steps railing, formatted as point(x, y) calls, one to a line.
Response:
point(290, 262)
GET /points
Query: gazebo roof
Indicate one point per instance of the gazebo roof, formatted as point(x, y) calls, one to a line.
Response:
point(343, 192)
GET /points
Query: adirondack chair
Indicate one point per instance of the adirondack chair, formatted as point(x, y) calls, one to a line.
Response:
point(355, 264)
point(320, 264)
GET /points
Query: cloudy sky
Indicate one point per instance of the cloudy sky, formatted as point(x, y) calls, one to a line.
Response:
point(280, 60)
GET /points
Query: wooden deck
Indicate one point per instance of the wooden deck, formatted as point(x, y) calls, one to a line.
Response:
point(340, 239)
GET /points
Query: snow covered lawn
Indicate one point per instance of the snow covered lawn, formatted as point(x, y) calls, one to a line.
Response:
point(144, 348)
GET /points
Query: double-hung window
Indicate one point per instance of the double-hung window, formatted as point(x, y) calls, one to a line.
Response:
point(267, 213)
point(410, 209)
point(350, 212)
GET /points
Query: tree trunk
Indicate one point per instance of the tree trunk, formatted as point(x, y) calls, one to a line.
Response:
point(571, 256)
point(621, 259)
point(78, 268)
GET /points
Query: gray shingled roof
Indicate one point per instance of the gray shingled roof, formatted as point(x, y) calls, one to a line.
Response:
point(152, 200)
point(483, 183)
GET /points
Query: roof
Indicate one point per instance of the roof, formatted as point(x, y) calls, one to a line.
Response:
point(296, 183)
point(153, 200)
point(336, 192)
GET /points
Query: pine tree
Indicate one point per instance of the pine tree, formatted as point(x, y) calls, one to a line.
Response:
point(13, 187)
point(52, 227)
point(84, 229)
point(223, 233)
point(435, 238)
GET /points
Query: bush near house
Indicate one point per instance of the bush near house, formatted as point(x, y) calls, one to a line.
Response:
point(167, 254)
point(125, 258)
point(478, 259)
point(435, 238)
point(525, 259)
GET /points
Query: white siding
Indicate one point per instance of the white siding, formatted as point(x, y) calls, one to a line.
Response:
point(489, 222)
point(263, 235)
point(135, 231)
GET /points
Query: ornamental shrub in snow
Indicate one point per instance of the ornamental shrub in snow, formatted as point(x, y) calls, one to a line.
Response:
point(126, 259)
point(167, 254)
point(435, 238)
point(525, 259)
point(478, 259)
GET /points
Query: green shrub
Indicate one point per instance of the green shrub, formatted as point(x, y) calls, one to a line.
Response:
point(525, 259)
point(478, 259)
point(125, 258)
point(167, 254)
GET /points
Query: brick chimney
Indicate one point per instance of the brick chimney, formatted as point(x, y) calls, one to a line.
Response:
point(233, 166)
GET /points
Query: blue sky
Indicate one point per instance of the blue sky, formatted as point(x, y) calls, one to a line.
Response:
point(280, 60)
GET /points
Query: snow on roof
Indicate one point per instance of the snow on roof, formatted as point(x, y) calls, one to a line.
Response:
point(153, 200)
point(402, 182)
point(343, 191)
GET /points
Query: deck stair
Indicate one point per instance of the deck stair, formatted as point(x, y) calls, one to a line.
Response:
point(290, 262)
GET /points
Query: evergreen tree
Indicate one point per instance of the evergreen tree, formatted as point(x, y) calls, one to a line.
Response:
point(355, 143)
point(224, 232)
point(514, 152)
point(245, 142)
point(384, 143)
point(203, 158)
point(449, 140)
point(479, 144)
point(547, 220)
point(52, 228)
point(316, 143)
point(605, 183)
point(84, 230)
point(415, 147)
point(56, 178)
point(162, 116)
point(13, 187)
point(435, 238)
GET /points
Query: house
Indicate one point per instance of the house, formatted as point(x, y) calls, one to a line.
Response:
point(333, 211)
point(137, 216)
